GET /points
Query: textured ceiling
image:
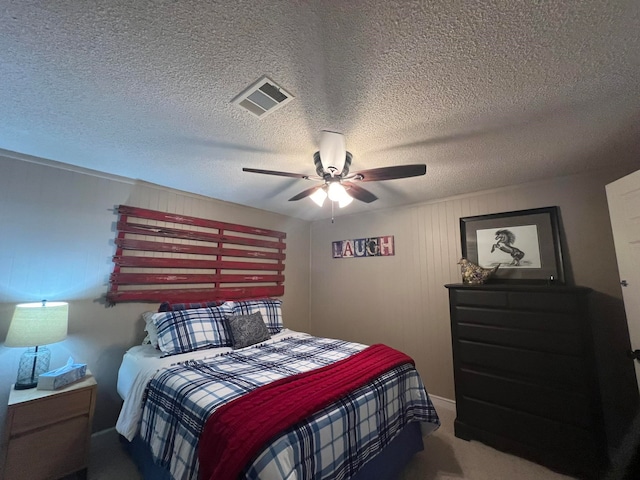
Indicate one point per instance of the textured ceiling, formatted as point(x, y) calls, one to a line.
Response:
point(485, 93)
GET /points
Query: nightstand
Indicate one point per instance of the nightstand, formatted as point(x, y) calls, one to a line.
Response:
point(47, 432)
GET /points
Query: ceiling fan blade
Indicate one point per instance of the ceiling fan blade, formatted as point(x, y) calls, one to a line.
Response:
point(359, 193)
point(304, 193)
point(273, 172)
point(389, 173)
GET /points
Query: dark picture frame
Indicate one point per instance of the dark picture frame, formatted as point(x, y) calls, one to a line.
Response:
point(526, 243)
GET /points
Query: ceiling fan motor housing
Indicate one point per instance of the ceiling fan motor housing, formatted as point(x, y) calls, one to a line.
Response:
point(320, 169)
point(332, 151)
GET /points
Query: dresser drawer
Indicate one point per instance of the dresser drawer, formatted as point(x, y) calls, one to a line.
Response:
point(553, 342)
point(541, 400)
point(47, 432)
point(43, 412)
point(479, 298)
point(49, 453)
point(562, 371)
point(554, 302)
point(565, 442)
point(549, 300)
point(550, 322)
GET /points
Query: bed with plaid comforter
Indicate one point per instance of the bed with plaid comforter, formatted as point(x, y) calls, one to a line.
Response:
point(333, 443)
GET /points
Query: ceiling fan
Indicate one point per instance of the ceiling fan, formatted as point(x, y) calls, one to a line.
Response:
point(332, 164)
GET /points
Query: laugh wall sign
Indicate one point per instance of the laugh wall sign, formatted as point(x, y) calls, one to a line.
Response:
point(364, 247)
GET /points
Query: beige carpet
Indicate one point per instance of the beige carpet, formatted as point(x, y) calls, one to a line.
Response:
point(444, 457)
point(447, 457)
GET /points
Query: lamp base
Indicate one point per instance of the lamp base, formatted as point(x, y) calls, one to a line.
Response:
point(25, 386)
point(33, 362)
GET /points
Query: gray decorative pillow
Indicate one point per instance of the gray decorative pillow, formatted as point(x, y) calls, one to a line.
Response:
point(247, 329)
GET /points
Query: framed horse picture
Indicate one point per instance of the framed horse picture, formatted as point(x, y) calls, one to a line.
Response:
point(524, 243)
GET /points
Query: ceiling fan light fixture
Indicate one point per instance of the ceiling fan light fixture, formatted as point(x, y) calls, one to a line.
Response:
point(336, 191)
point(345, 200)
point(319, 196)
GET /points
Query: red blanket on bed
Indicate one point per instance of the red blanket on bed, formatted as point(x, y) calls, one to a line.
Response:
point(238, 430)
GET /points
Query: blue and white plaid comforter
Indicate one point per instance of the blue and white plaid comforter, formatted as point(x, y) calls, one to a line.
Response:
point(334, 443)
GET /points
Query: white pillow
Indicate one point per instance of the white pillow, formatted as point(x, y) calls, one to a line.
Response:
point(150, 328)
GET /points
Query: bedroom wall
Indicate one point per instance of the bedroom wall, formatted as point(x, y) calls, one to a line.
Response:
point(401, 300)
point(57, 242)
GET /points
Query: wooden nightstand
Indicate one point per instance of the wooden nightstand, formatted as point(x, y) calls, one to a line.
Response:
point(47, 432)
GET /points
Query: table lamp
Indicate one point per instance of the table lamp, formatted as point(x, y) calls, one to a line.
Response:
point(34, 325)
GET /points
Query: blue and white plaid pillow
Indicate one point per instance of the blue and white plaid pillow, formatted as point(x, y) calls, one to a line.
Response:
point(270, 309)
point(196, 329)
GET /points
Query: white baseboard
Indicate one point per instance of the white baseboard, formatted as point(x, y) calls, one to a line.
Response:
point(103, 432)
point(441, 402)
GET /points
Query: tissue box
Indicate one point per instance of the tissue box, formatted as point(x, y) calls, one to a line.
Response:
point(62, 376)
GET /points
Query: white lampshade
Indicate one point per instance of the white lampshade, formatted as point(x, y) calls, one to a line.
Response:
point(345, 200)
point(33, 325)
point(38, 324)
point(319, 196)
point(336, 192)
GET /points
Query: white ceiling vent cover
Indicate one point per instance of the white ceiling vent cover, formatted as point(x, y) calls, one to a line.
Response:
point(262, 98)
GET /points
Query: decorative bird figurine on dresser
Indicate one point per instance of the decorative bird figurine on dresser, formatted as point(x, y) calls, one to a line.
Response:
point(473, 274)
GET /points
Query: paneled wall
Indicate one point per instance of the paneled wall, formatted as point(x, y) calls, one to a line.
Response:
point(57, 242)
point(401, 299)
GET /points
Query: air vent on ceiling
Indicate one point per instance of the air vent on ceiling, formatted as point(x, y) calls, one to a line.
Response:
point(262, 98)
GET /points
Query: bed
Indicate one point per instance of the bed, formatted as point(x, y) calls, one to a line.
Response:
point(207, 369)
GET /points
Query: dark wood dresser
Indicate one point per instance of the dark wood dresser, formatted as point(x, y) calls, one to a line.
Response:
point(526, 377)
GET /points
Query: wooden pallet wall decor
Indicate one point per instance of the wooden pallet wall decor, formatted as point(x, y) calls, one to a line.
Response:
point(165, 257)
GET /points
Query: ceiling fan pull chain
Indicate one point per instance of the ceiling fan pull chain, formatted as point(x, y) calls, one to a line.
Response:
point(332, 203)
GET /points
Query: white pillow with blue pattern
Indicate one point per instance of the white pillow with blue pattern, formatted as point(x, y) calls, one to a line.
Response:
point(194, 329)
point(269, 308)
point(150, 328)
